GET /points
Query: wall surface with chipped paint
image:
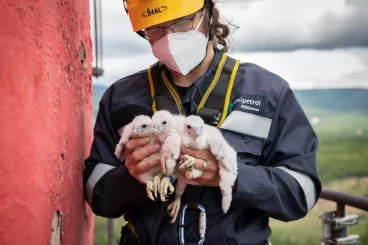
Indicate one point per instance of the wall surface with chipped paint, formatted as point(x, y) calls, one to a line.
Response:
point(45, 121)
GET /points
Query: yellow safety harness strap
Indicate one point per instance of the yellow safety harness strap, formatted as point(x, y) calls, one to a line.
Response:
point(213, 107)
point(163, 94)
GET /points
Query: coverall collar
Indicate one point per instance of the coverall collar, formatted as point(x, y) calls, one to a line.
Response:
point(199, 87)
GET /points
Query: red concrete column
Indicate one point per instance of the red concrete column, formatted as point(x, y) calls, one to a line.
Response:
point(45, 121)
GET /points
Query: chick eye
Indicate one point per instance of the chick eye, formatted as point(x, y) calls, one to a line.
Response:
point(189, 127)
point(164, 122)
point(144, 126)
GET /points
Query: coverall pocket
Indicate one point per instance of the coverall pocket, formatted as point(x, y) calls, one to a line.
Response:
point(228, 230)
point(249, 149)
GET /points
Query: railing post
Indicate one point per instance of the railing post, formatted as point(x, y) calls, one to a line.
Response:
point(342, 231)
point(110, 232)
point(335, 227)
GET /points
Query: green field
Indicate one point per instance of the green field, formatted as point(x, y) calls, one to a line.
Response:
point(342, 165)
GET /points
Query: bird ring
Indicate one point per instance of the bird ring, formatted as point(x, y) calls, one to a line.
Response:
point(204, 164)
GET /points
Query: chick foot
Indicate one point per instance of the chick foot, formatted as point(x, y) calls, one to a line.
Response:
point(155, 188)
point(187, 163)
point(150, 189)
point(174, 208)
point(166, 187)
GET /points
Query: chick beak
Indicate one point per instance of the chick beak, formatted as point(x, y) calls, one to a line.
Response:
point(156, 128)
point(135, 130)
point(198, 131)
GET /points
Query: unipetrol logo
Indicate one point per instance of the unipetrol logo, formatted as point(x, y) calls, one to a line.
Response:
point(157, 10)
point(254, 104)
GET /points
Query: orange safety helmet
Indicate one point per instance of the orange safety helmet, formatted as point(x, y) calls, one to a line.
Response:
point(146, 13)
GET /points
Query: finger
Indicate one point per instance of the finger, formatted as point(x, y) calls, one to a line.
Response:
point(173, 210)
point(196, 173)
point(201, 154)
point(188, 151)
point(210, 165)
point(189, 174)
point(174, 214)
point(141, 153)
point(170, 206)
point(181, 157)
point(134, 143)
point(182, 172)
point(146, 164)
point(206, 176)
point(208, 179)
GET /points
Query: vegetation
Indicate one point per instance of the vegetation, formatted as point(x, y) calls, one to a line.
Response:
point(340, 119)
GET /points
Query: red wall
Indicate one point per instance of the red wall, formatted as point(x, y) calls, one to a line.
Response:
point(45, 120)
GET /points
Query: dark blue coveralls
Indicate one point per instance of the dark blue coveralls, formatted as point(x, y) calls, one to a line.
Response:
point(276, 148)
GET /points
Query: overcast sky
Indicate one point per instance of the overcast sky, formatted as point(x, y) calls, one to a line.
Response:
point(310, 43)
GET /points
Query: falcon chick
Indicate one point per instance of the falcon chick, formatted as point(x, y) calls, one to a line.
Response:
point(141, 126)
point(197, 135)
point(167, 132)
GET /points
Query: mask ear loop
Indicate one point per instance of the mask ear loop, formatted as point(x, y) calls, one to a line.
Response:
point(200, 21)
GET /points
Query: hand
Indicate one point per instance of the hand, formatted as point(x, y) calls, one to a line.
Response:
point(136, 153)
point(210, 175)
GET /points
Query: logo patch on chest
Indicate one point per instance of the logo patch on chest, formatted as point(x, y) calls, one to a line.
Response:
point(254, 104)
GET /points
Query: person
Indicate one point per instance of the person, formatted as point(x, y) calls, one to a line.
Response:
point(255, 109)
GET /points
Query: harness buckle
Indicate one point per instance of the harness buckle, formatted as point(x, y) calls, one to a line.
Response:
point(202, 223)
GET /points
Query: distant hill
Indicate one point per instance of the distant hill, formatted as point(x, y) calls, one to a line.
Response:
point(337, 100)
point(332, 100)
point(98, 91)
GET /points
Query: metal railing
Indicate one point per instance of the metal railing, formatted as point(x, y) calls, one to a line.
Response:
point(97, 70)
point(335, 223)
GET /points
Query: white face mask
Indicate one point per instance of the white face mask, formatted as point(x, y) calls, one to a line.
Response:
point(181, 51)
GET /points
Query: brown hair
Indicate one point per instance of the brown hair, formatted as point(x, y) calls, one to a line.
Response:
point(219, 30)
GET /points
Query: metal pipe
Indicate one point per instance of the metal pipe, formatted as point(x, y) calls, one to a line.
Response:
point(96, 35)
point(100, 31)
point(110, 232)
point(345, 199)
point(340, 213)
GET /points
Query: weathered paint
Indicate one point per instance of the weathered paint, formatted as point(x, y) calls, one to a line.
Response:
point(45, 120)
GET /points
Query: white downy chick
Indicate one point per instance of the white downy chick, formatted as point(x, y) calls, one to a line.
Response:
point(141, 126)
point(166, 129)
point(227, 159)
point(193, 137)
point(190, 129)
point(196, 134)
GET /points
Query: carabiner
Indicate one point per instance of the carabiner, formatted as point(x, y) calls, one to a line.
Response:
point(202, 223)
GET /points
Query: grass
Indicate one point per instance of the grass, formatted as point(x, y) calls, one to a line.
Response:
point(309, 229)
point(342, 162)
point(101, 230)
point(342, 165)
point(341, 158)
